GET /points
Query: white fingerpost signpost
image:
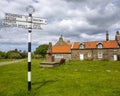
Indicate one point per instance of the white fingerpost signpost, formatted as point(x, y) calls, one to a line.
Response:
point(30, 10)
point(22, 21)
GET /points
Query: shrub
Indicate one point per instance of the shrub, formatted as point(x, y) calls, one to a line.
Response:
point(13, 55)
point(2, 55)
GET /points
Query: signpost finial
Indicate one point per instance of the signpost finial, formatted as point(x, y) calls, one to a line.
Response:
point(30, 9)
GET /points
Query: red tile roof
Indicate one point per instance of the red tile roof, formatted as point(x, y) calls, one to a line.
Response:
point(93, 44)
point(90, 44)
point(110, 44)
point(75, 45)
point(61, 49)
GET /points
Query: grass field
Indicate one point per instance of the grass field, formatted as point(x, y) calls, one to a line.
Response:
point(5, 60)
point(77, 78)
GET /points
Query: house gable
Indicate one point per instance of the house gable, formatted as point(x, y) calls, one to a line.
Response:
point(61, 42)
point(61, 47)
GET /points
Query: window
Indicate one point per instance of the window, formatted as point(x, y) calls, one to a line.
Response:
point(58, 55)
point(100, 45)
point(81, 46)
point(89, 54)
point(100, 55)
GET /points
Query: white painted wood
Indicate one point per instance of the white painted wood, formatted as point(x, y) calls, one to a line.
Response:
point(29, 37)
point(115, 57)
point(29, 56)
point(29, 76)
point(81, 56)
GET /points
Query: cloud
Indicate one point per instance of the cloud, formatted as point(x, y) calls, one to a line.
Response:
point(36, 1)
point(76, 20)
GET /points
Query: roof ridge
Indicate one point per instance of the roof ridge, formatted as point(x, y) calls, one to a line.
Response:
point(99, 41)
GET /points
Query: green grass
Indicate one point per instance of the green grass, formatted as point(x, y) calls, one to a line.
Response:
point(77, 78)
point(5, 60)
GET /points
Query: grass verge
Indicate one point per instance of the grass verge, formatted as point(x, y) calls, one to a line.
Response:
point(77, 78)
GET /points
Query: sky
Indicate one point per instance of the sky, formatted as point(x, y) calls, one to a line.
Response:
point(75, 20)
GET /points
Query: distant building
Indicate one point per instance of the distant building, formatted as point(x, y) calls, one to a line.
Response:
point(62, 49)
point(93, 50)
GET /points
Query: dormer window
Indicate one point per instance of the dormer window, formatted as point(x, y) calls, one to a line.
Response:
point(81, 46)
point(100, 45)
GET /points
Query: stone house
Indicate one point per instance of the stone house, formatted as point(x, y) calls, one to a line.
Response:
point(97, 50)
point(93, 50)
point(62, 49)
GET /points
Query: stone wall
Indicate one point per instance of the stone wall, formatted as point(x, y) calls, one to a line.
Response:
point(65, 56)
point(60, 42)
point(49, 58)
point(92, 54)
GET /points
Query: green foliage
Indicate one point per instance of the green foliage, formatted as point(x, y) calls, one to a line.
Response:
point(77, 78)
point(13, 54)
point(2, 55)
point(23, 54)
point(42, 50)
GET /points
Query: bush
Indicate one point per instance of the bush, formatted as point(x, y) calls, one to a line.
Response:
point(23, 54)
point(13, 55)
point(2, 55)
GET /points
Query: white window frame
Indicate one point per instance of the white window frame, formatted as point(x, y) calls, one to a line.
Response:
point(100, 54)
point(89, 54)
point(58, 55)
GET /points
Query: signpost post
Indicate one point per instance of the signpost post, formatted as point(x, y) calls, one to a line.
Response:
point(30, 10)
point(22, 21)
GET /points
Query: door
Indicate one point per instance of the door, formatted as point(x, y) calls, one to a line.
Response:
point(115, 57)
point(81, 56)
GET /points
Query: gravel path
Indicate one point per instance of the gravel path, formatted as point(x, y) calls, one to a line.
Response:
point(10, 62)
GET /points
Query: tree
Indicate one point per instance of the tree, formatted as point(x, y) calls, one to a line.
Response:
point(23, 54)
point(2, 55)
point(13, 54)
point(42, 50)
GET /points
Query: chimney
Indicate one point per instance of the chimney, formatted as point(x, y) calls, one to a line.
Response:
point(50, 47)
point(61, 38)
point(117, 33)
point(107, 36)
point(68, 41)
point(116, 36)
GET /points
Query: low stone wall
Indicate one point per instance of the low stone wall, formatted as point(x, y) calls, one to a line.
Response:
point(67, 57)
